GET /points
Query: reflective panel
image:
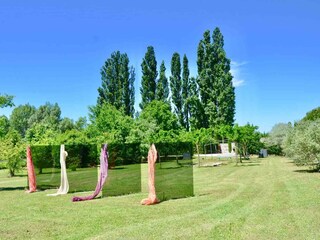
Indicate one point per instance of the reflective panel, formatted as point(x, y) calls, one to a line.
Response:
point(81, 165)
point(174, 171)
point(124, 173)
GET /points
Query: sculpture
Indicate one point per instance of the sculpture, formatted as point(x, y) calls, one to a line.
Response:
point(31, 173)
point(64, 184)
point(152, 158)
point(102, 176)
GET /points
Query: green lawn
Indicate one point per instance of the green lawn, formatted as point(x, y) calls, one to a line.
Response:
point(261, 199)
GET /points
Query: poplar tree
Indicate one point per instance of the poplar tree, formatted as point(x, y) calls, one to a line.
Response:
point(215, 80)
point(176, 86)
point(197, 115)
point(149, 76)
point(162, 91)
point(117, 87)
point(131, 92)
point(185, 91)
point(225, 95)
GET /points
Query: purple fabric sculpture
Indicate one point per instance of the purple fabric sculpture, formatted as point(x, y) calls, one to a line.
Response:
point(102, 178)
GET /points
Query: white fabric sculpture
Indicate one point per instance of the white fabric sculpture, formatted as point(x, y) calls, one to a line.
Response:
point(64, 184)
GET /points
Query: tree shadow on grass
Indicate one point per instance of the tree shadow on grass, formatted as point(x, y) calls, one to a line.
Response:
point(247, 163)
point(117, 168)
point(307, 171)
point(19, 175)
point(11, 188)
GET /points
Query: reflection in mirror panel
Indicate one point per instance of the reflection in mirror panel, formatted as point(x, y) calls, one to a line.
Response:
point(174, 171)
point(124, 172)
point(81, 165)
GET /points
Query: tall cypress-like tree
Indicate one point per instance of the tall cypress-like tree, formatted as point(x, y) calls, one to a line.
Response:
point(197, 114)
point(185, 91)
point(225, 103)
point(176, 87)
point(162, 91)
point(117, 83)
point(131, 91)
point(215, 81)
point(149, 76)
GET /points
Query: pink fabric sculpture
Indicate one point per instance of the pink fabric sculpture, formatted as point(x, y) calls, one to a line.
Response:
point(31, 173)
point(102, 178)
point(152, 158)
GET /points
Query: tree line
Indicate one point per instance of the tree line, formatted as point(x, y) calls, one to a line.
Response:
point(203, 101)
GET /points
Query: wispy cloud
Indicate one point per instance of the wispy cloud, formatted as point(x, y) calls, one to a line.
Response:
point(236, 70)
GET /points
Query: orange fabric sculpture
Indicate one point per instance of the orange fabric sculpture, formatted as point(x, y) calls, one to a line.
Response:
point(152, 158)
point(31, 173)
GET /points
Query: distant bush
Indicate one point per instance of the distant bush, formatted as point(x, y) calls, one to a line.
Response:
point(303, 144)
point(274, 149)
point(274, 142)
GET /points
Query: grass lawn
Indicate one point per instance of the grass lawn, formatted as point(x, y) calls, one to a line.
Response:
point(261, 199)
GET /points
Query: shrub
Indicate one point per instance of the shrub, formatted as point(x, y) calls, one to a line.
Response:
point(13, 152)
point(303, 144)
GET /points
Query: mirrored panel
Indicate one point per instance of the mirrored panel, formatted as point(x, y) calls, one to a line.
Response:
point(81, 163)
point(174, 170)
point(124, 170)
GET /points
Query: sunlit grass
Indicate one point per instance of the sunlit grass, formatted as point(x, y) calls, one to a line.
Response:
point(260, 199)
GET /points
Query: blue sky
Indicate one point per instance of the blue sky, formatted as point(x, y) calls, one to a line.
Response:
point(53, 50)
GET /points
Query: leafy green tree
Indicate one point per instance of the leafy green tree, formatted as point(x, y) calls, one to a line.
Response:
point(73, 137)
point(215, 80)
point(166, 136)
point(109, 124)
point(81, 123)
point(204, 62)
point(48, 114)
point(41, 133)
point(197, 116)
point(66, 124)
point(176, 87)
point(20, 118)
point(225, 95)
point(143, 130)
point(130, 94)
point(117, 87)
point(312, 115)
point(162, 91)
point(274, 141)
point(185, 92)
point(247, 140)
point(201, 136)
point(160, 113)
point(4, 126)
point(13, 151)
point(149, 76)
point(303, 144)
point(223, 132)
point(6, 101)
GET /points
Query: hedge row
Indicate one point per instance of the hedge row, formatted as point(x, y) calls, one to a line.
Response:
point(48, 156)
point(82, 156)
